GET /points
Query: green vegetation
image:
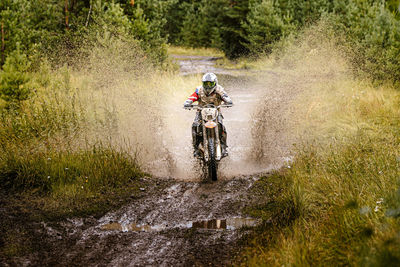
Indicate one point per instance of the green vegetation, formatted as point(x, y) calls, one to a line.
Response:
point(253, 27)
point(50, 28)
point(337, 201)
point(15, 79)
point(55, 141)
point(343, 194)
point(238, 28)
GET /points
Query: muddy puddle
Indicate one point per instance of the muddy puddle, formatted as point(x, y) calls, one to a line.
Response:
point(228, 224)
point(245, 91)
point(213, 224)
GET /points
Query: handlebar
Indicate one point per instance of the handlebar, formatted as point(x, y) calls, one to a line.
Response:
point(208, 106)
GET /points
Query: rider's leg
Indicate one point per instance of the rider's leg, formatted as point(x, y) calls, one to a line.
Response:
point(196, 138)
point(222, 137)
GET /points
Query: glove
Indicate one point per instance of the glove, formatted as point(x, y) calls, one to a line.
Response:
point(227, 100)
point(187, 104)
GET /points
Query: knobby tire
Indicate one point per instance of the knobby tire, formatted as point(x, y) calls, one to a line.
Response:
point(212, 162)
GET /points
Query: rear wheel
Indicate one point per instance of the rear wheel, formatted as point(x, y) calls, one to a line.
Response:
point(212, 162)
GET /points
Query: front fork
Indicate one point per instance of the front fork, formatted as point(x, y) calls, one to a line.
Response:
point(214, 133)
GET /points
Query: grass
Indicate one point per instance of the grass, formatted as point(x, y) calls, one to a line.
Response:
point(62, 143)
point(337, 203)
point(344, 182)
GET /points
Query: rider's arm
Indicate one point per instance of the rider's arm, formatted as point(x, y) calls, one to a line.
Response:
point(224, 96)
point(192, 98)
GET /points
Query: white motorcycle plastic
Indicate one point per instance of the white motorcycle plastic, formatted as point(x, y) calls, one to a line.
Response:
point(210, 147)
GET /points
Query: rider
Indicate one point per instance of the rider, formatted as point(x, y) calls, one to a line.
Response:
point(209, 93)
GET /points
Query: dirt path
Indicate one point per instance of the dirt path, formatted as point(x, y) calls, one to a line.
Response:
point(183, 224)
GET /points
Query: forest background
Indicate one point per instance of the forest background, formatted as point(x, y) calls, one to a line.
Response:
point(70, 69)
point(238, 28)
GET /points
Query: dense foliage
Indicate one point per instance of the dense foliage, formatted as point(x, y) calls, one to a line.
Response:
point(370, 28)
point(237, 27)
point(50, 26)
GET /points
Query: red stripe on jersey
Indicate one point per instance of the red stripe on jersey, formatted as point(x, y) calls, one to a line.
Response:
point(194, 97)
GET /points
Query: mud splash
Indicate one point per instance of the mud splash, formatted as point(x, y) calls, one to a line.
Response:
point(215, 224)
point(245, 90)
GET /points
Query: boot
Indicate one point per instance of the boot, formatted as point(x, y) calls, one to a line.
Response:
point(196, 150)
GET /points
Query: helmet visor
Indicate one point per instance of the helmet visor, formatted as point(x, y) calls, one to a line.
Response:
point(209, 85)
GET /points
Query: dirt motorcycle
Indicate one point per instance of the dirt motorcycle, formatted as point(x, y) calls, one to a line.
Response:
point(210, 147)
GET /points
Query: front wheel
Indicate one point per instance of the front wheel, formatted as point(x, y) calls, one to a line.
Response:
point(212, 162)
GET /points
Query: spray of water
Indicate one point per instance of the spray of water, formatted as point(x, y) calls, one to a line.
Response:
point(285, 114)
point(141, 107)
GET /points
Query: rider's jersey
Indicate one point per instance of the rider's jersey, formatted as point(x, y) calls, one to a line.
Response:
point(216, 98)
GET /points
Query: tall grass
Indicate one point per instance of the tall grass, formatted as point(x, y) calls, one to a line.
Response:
point(91, 127)
point(47, 147)
point(344, 178)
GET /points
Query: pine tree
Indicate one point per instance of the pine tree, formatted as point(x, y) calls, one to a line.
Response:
point(232, 32)
point(14, 79)
point(265, 25)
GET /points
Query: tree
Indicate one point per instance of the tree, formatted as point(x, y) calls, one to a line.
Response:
point(14, 79)
point(234, 43)
point(29, 23)
point(265, 25)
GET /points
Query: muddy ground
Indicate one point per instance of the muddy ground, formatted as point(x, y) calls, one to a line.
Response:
point(173, 224)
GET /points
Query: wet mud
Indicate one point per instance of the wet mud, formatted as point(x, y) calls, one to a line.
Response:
point(177, 224)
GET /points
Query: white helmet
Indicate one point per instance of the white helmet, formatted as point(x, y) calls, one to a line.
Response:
point(210, 82)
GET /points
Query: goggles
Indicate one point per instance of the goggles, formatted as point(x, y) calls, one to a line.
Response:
point(209, 84)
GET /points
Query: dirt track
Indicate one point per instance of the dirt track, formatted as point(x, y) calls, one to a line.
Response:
point(171, 228)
